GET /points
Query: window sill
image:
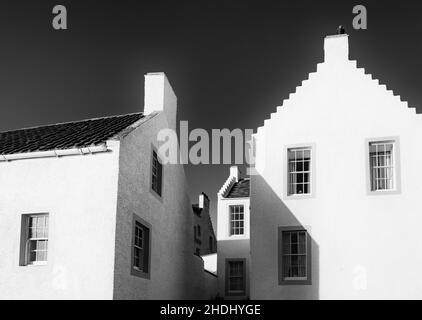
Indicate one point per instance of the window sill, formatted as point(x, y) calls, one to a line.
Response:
point(35, 264)
point(295, 279)
point(383, 192)
point(236, 293)
point(238, 236)
point(139, 273)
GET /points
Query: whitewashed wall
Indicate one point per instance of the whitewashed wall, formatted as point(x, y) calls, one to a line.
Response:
point(237, 246)
point(364, 246)
point(80, 195)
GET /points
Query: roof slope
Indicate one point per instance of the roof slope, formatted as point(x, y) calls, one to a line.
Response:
point(78, 134)
point(239, 189)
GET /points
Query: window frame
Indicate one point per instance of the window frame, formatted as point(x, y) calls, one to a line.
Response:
point(24, 259)
point(286, 173)
point(292, 281)
point(211, 243)
point(159, 196)
point(147, 230)
point(228, 292)
point(230, 206)
point(396, 166)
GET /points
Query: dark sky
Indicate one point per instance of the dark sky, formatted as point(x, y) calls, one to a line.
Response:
point(230, 62)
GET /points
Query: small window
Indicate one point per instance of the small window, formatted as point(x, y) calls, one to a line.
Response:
point(211, 243)
point(295, 256)
point(299, 171)
point(35, 239)
point(235, 277)
point(199, 231)
point(156, 174)
point(382, 165)
point(237, 219)
point(140, 249)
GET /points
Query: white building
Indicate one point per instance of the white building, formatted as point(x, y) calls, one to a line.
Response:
point(87, 211)
point(233, 237)
point(336, 201)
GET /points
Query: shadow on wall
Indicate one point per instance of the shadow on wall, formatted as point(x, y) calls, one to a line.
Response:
point(268, 213)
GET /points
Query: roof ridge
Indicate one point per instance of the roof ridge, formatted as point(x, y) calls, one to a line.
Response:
point(74, 121)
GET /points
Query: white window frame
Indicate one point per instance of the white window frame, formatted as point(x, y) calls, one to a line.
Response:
point(232, 221)
point(27, 237)
point(145, 271)
point(395, 166)
point(311, 171)
point(141, 238)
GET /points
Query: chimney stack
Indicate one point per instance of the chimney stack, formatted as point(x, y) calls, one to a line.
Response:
point(234, 172)
point(204, 202)
point(336, 47)
point(160, 97)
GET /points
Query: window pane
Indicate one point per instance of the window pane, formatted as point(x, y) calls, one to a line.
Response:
point(235, 274)
point(381, 165)
point(299, 170)
point(294, 253)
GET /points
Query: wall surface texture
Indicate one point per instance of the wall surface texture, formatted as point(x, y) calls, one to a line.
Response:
point(80, 194)
point(232, 246)
point(363, 245)
point(175, 273)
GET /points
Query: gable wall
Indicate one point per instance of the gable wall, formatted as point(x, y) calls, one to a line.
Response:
point(355, 236)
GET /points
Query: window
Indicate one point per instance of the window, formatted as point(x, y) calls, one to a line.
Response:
point(156, 174)
point(294, 256)
point(237, 218)
point(35, 239)
point(299, 170)
point(211, 243)
point(382, 162)
point(235, 277)
point(197, 234)
point(140, 248)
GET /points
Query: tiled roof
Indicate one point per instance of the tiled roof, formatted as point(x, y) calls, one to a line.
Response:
point(239, 189)
point(78, 134)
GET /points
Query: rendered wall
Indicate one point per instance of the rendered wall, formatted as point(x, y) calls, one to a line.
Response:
point(231, 246)
point(359, 241)
point(80, 195)
point(172, 260)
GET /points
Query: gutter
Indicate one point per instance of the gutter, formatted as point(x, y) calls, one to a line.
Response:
point(53, 153)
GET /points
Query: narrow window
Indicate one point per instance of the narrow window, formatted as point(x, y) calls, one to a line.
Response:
point(382, 165)
point(156, 173)
point(36, 238)
point(299, 171)
point(235, 277)
point(211, 243)
point(237, 220)
point(295, 256)
point(35, 235)
point(140, 249)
